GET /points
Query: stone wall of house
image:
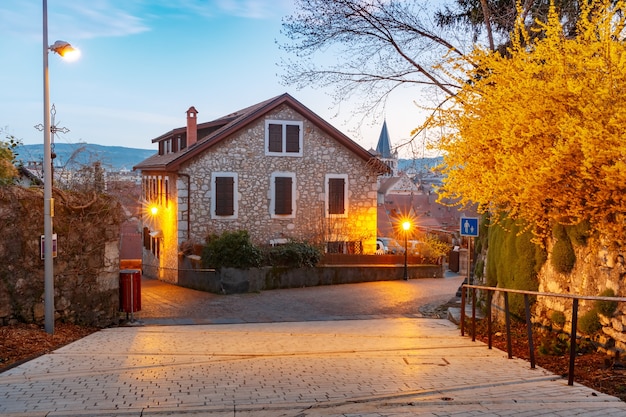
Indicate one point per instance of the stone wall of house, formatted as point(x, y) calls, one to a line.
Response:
point(243, 153)
point(86, 270)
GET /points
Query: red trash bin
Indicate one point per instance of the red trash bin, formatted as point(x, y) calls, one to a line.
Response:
point(130, 290)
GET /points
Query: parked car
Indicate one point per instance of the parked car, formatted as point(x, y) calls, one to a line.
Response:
point(388, 245)
point(415, 247)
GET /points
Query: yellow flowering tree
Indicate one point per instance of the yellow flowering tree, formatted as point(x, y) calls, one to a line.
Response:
point(540, 133)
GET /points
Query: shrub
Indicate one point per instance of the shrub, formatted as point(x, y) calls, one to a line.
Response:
point(434, 248)
point(293, 255)
point(230, 250)
point(556, 344)
point(606, 308)
point(558, 318)
point(589, 323)
point(563, 256)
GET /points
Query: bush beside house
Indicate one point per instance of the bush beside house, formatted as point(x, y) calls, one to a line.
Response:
point(294, 264)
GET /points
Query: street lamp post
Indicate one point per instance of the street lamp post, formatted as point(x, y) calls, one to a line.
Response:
point(63, 49)
point(406, 225)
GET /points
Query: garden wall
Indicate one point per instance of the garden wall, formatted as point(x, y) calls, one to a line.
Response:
point(232, 281)
point(86, 270)
point(594, 268)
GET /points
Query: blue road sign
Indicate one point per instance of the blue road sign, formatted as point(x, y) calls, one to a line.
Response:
point(469, 226)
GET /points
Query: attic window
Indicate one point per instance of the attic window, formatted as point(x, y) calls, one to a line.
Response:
point(283, 138)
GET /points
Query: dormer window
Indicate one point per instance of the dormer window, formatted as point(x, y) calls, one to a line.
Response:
point(283, 138)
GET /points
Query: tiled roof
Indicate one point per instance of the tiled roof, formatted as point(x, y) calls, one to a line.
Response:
point(429, 214)
point(232, 122)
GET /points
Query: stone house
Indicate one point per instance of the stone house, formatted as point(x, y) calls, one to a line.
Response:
point(275, 169)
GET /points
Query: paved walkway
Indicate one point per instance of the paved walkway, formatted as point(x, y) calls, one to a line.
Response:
point(376, 367)
point(169, 304)
point(383, 367)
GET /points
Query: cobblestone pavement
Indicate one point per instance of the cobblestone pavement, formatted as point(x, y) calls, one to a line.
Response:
point(397, 364)
point(169, 304)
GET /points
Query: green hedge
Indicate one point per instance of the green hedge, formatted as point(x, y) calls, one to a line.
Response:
point(293, 254)
point(235, 250)
point(563, 255)
point(514, 260)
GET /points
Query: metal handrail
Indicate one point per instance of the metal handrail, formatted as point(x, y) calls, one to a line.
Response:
point(506, 291)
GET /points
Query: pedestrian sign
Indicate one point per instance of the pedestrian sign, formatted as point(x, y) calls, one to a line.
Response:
point(469, 226)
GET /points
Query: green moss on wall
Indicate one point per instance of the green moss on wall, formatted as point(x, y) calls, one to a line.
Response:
point(579, 233)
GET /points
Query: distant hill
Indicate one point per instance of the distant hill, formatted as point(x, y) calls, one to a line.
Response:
point(113, 158)
point(420, 164)
point(116, 158)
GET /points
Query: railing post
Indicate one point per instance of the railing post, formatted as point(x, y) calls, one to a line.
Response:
point(489, 337)
point(463, 310)
point(507, 317)
point(529, 331)
point(572, 342)
point(473, 314)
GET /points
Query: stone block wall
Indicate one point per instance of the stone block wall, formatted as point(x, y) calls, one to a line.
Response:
point(597, 268)
point(86, 270)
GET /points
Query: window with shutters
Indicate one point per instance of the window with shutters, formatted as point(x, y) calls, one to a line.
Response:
point(283, 138)
point(283, 195)
point(224, 203)
point(336, 195)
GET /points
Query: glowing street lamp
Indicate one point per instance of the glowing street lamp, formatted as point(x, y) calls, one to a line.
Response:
point(406, 225)
point(64, 49)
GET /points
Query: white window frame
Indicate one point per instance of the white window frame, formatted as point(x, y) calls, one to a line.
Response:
point(272, 195)
point(235, 178)
point(284, 123)
point(346, 201)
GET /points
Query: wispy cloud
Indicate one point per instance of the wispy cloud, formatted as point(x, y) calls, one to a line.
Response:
point(78, 20)
point(99, 19)
point(255, 9)
point(248, 9)
point(110, 18)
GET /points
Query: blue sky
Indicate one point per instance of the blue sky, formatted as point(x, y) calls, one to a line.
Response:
point(145, 62)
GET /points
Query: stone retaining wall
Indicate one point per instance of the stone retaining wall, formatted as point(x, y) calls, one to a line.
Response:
point(234, 281)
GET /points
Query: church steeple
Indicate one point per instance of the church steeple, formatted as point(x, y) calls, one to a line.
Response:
point(384, 144)
point(383, 150)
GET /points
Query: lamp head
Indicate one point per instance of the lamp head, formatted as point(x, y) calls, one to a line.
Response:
point(66, 50)
point(406, 225)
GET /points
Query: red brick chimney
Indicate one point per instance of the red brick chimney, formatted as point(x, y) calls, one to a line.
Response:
point(192, 126)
